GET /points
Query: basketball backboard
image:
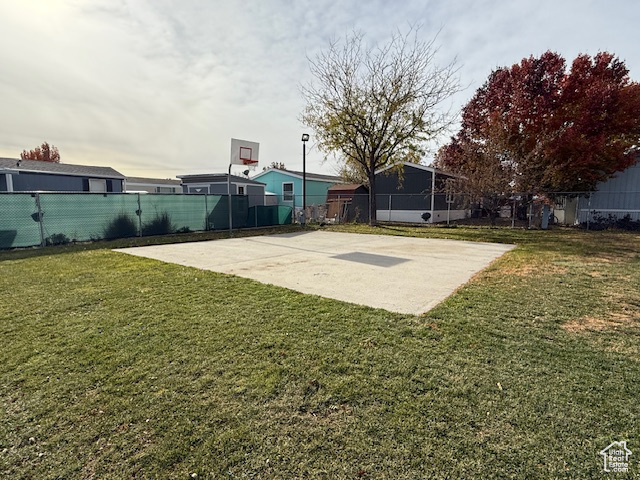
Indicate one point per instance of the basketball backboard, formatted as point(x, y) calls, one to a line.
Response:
point(244, 152)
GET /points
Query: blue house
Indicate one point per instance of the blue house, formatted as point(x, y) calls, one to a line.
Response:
point(286, 185)
point(36, 176)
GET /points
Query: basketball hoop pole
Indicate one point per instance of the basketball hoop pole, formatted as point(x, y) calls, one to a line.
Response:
point(242, 153)
point(230, 207)
point(305, 139)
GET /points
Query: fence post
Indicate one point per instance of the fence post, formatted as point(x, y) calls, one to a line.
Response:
point(389, 207)
point(255, 208)
point(206, 213)
point(139, 213)
point(513, 214)
point(588, 211)
point(42, 239)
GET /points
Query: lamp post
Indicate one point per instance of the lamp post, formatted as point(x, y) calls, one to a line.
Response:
point(305, 139)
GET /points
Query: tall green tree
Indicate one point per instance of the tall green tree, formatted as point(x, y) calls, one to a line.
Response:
point(373, 105)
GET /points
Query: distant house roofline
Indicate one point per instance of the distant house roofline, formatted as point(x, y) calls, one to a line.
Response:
point(348, 186)
point(153, 181)
point(216, 178)
point(419, 166)
point(17, 166)
point(296, 174)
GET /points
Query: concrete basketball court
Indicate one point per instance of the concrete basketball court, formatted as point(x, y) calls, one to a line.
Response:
point(400, 274)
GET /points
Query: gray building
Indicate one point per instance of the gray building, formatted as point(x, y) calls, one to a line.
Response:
point(216, 184)
point(619, 196)
point(152, 185)
point(418, 190)
point(36, 176)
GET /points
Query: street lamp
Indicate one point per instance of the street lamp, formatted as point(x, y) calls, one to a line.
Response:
point(305, 139)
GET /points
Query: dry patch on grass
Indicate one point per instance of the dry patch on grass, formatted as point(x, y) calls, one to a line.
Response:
point(588, 323)
point(620, 256)
point(530, 269)
point(613, 321)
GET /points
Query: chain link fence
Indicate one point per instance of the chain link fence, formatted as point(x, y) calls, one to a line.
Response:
point(32, 219)
point(589, 210)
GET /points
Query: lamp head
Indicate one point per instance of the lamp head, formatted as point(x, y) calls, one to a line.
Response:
point(305, 137)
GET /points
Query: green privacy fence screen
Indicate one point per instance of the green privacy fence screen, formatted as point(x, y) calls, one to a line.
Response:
point(30, 219)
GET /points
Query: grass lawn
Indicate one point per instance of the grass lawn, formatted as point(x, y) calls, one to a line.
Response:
point(115, 366)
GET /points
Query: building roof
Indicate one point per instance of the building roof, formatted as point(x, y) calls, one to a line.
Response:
point(347, 187)
point(153, 181)
point(37, 166)
point(417, 166)
point(310, 176)
point(216, 178)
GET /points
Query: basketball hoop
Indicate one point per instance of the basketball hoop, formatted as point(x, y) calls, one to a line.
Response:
point(246, 157)
point(244, 152)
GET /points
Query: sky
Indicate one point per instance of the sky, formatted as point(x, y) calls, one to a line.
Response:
point(158, 88)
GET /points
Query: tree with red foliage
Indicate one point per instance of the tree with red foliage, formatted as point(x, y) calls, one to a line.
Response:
point(546, 129)
point(43, 153)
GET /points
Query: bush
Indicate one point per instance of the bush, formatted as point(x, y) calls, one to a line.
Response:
point(57, 239)
point(160, 225)
point(600, 222)
point(184, 230)
point(122, 226)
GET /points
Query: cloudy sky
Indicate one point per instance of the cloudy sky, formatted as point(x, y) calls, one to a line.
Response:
point(159, 87)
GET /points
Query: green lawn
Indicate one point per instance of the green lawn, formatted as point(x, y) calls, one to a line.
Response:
point(114, 367)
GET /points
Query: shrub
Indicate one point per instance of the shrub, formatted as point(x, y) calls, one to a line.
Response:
point(600, 222)
point(57, 239)
point(122, 226)
point(160, 225)
point(184, 230)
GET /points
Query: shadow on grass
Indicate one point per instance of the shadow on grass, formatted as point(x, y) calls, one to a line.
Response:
point(142, 241)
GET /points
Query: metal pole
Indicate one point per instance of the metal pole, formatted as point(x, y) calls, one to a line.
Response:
point(206, 213)
point(42, 239)
point(139, 212)
point(304, 182)
point(433, 194)
point(389, 207)
point(229, 199)
point(513, 214)
point(589, 211)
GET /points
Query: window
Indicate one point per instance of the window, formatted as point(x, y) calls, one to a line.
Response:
point(240, 190)
point(287, 192)
point(97, 185)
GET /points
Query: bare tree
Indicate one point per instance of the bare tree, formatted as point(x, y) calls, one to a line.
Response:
point(276, 165)
point(373, 105)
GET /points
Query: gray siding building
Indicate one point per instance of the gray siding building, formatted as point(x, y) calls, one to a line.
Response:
point(419, 190)
point(618, 196)
point(216, 184)
point(152, 185)
point(36, 176)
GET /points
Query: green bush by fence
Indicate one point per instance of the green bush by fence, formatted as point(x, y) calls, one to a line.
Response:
point(31, 219)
